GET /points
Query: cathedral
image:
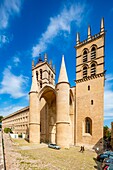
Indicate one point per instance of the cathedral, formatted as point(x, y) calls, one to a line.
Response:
point(65, 115)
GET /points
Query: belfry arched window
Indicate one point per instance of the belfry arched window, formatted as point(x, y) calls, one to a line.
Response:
point(40, 74)
point(40, 84)
point(37, 75)
point(85, 56)
point(93, 69)
point(93, 53)
point(88, 125)
point(84, 71)
point(52, 78)
point(49, 76)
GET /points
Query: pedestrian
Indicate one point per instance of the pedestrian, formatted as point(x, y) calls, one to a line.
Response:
point(82, 149)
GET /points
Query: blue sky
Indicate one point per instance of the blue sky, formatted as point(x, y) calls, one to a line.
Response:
point(28, 28)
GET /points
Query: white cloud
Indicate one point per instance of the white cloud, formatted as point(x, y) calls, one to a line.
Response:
point(8, 9)
point(108, 118)
point(13, 85)
point(16, 60)
point(3, 40)
point(109, 77)
point(108, 97)
point(60, 23)
point(10, 109)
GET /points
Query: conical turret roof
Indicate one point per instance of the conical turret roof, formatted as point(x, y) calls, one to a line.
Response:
point(63, 73)
point(34, 86)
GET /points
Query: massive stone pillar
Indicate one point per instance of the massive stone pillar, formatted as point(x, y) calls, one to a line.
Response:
point(34, 118)
point(62, 105)
point(34, 112)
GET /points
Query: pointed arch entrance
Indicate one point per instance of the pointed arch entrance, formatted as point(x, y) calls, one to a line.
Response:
point(47, 99)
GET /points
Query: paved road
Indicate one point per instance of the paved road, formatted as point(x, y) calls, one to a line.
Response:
point(1, 153)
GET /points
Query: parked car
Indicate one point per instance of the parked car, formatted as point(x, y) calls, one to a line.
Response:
point(104, 155)
point(108, 167)
point(54, 146)
point(107, 162)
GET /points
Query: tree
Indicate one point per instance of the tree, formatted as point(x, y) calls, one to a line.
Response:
point(1, 117)
point(107, 133)
point(7, 130)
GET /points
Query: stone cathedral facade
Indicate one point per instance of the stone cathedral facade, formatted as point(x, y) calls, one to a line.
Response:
point(65, 115)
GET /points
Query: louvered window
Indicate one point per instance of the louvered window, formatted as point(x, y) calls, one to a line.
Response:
point(93, 53)
point(84, 56)
point(84, 72)
point(93, 69)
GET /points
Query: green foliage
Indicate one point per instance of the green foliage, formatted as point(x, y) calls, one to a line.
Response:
point(7, 130)
point(1, 117)
point(107, 133)
point(20, 135)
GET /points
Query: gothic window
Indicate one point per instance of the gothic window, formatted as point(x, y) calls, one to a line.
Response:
point(84, 56)
point(37, 75)
point(93, 69)
point(88, 125)
point(40, 84)
point(40, 74)
point(91, 102)
point(84, 71)
point(88, 87)
point(52, 78)
point(93, 53)
point(49, 76)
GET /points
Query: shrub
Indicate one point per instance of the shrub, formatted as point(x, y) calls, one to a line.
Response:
point(7, 130)
point(20, 135)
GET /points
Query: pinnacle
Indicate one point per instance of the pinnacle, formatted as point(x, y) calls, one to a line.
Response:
point(63, 73)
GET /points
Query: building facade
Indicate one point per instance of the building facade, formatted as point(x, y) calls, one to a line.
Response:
point(17, 121)
point(59, 113)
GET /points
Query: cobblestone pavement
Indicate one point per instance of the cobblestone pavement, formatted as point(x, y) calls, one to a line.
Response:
point(20, 155)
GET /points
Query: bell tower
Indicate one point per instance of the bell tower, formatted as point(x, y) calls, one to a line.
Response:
point(42, 74)
point(90, 88)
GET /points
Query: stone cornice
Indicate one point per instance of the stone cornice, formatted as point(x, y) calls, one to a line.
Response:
point(90, 77)
point(90, 61)
point(63, 82)
point(62, 122)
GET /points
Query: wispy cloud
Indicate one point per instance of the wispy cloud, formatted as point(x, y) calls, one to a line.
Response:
point(13, 85)
point(10, 109)
point(60, 23)
point(4, 40)
point(8, 9)
point(108, 99)
point(16, 60)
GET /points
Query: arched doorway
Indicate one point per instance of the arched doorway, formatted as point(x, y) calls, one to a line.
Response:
point(48, 115)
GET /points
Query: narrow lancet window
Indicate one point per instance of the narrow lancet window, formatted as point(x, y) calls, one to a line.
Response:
point(40, 74)
point(93, 53)
point(93, 69)
point(37, 75)
point(84, 56)
point(88, 125)
point(84, 72)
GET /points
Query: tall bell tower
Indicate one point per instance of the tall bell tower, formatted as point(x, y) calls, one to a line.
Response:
point(42, 74)
point(90, 88)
